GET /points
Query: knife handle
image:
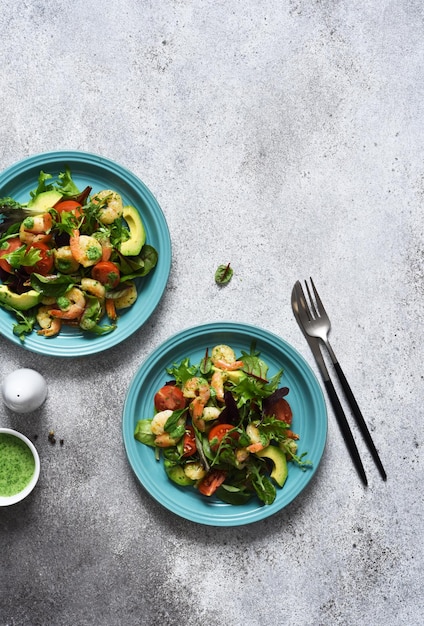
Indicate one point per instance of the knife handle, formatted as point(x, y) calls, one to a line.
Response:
point(359, 419)
point(345, 428)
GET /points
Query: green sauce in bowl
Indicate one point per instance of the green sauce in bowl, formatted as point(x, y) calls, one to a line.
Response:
point(17, 465)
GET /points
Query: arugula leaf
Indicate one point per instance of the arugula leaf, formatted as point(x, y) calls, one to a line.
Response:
point(66, 185)
point(66, 222)
point(22, 256)
point(26, 322)
point(233, 495)
point(273, 428)
point(116, 232)
point(247, 389)
point(181, 372)
point(262, 484)
point(290, 448)
point(42, 186)
point(10, 203)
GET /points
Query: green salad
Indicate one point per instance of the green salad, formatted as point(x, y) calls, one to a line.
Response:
point(70, 256)
point(223, 427)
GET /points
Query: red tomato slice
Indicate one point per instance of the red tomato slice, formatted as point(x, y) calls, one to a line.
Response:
point(189, 442)
point(169, 397)
point(67, 206)
point(219, 431)
point(210, 483)
point(281, 410)
point(12, 245)
point(45, 264)
point(106, 273)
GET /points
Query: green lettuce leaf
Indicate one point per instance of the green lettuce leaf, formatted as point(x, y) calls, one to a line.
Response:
point(66, 185)
point(54, 286)
point(138, 266)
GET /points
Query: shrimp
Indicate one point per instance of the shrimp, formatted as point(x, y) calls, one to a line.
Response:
point(72, 305)
point(107, 247)
point(85, 249)
point(158, 422)
point(36, 228)
point(217, 384)
point(48, 300)
point(198, 389)
point(163, 439)
point(127, 297)
point(111, 206)
point(94, 287)
point(211, 413)
point(64, 261)
point(224, 357)
point(50, 326)
point(111, 311)
point(195, 470)
point(256, 443)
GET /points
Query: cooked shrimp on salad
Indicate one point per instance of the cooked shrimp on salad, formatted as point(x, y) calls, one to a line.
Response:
point(70, 257)
point(223, 426)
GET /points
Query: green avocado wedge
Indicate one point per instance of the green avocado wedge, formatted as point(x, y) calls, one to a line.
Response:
point(133, 245)
point(20, 302)
point(280, 470)
point(177, 475)
point(45, 200)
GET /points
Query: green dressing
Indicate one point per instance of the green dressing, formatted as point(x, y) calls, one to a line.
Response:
point(17, 465)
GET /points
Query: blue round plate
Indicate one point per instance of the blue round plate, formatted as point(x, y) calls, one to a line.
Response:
point(99, 173)
point(305, 397)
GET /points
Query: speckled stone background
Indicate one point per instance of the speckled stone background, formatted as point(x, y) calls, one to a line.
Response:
point(285, 137)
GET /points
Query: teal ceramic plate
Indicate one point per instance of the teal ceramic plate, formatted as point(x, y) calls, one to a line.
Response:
point(99, 173)
point(305, 397)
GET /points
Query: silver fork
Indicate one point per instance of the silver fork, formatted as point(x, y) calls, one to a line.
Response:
point(302, 315)
point(319, 326)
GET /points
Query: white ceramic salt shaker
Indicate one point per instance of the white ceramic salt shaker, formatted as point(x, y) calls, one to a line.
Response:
point(24, 390)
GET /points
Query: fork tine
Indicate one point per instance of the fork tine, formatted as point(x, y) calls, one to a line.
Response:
point(320, 305)
point(303, 308)
point(311, 300)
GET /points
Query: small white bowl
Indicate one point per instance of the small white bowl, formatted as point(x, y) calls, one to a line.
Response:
point(17, 497)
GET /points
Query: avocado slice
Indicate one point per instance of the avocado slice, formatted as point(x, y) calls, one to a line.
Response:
point(45, 200)
point(177, 475)
point(20, 302)
point(235, 376)
point(277, 456)
point(133, 245)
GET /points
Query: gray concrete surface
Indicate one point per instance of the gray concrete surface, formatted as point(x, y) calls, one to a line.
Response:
point(286, 138)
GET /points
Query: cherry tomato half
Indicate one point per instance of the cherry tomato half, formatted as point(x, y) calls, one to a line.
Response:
point(210, 483)
point(281, 410)
point(169, 397)
point(45, 264)
point(189, 442)
point(106, 273)
point(219, 431)
point(12, 245)
point(65, 206)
